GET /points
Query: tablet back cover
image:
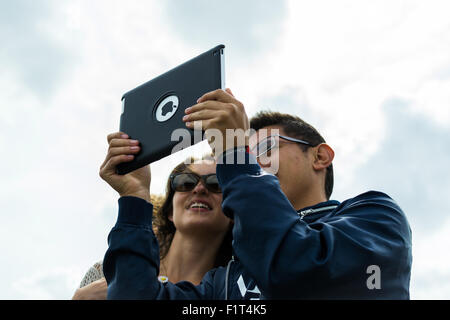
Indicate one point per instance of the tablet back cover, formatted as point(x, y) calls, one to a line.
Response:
point(152, 111)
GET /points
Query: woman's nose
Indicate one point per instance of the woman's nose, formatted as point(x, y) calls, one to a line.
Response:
point(200, 188)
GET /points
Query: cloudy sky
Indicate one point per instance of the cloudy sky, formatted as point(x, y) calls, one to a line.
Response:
point(372, 76)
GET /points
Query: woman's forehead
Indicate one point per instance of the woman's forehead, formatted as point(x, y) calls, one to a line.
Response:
point(203, 167)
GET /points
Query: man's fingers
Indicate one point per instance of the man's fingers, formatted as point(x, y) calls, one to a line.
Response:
point(228, 90)
point(207, 119)
point(202, 113)
point(205, 124)
point(210, 105)
point(219, 95)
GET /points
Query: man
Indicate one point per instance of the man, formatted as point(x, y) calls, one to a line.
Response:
point(302, 244)
point(290, 240)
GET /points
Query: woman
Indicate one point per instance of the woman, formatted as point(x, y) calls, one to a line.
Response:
point(193, 233)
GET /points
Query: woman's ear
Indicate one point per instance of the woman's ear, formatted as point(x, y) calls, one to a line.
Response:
point(323, 157)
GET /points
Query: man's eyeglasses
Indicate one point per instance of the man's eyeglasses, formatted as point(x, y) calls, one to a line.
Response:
point(187, 181)
point(271, 142)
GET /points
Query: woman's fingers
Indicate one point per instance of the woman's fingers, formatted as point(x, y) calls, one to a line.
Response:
point(120, 142)
point(121, 149)
point(112, 163)
point(121, 135)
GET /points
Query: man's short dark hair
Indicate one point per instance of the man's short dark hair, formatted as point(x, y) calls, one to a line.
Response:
point(297, 128)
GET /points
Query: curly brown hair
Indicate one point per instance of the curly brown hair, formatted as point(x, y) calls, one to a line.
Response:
point(165, 229)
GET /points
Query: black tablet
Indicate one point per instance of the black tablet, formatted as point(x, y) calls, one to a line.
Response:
point(152, 112)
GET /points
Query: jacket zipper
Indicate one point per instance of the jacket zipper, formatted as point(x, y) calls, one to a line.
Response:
point(306, 212)
point(226, 276)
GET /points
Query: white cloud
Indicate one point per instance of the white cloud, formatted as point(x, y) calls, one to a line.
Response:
point(56, 283)
point(245, 26)
point(431, 274)
point(432, 99)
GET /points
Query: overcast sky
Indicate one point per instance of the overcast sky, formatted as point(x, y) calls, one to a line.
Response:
point(372, 76)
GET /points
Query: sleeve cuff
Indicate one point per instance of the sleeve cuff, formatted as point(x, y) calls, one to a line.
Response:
point(136, 211)
point(235, 162)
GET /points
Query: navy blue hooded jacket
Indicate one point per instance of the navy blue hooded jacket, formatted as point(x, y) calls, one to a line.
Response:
point(357, 249)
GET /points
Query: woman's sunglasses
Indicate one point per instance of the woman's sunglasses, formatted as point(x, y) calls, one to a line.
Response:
point(187, 181)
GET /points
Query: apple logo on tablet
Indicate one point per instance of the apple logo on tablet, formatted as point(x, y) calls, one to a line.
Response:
point(167, 108)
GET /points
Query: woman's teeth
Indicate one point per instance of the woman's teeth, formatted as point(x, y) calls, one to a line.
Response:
point(199, 205)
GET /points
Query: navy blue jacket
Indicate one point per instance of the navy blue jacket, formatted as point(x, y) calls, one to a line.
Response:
point(357, 249)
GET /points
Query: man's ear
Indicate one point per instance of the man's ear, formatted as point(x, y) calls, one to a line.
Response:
point(323, 157)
